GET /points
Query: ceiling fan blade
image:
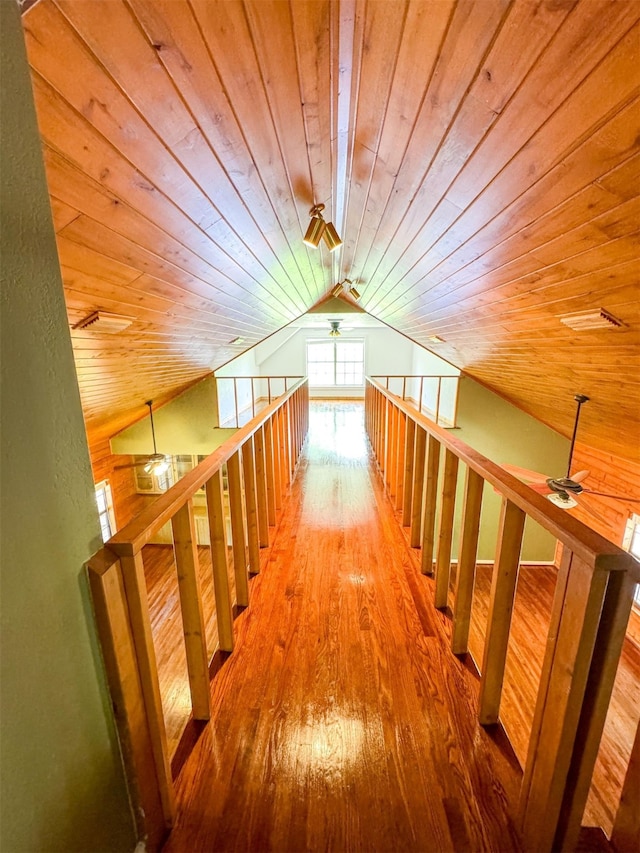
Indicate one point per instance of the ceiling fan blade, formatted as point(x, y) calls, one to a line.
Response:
point(540, 488)
point(579, 476)
point(130, 465)
point(525, 474)
point(587, 505)
point(624, 498)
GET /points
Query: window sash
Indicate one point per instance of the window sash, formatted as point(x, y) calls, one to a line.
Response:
point(335, 363)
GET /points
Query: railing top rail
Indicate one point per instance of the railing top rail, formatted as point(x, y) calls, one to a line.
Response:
point(287, 376)
point(416, 376)
point(582, 540)
point(135, 535)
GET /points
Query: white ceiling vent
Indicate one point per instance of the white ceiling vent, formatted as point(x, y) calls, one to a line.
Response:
point(100, 321)
point(597, 318)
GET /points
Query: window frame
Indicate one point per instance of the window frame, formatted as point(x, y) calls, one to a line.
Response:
point(104, 487)
point(335, 344)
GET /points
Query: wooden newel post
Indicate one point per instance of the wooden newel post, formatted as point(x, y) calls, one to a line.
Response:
point(138, 609)
point(151, 788)
point(575, 687)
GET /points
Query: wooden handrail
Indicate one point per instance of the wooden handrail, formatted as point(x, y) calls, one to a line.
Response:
point(582, 540)
point(592, 601)
point(140, 530)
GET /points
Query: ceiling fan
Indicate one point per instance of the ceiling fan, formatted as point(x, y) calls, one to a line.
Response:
point(564, 491)
point(155, 463)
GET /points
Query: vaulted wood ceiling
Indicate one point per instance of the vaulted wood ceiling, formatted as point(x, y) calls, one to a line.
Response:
point(479, 159)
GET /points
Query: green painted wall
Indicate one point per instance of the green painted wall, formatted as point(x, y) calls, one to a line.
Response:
point(506, 434)
point(62, 787)
point(187, 424)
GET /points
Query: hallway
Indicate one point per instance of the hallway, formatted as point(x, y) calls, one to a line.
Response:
point(342, 721)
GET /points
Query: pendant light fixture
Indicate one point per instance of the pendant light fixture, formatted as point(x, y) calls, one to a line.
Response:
point(319, 229)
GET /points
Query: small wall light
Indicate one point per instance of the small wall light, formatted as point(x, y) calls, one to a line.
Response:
point(335, 329)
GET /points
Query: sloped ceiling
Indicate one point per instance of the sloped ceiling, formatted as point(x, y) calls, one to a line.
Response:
point(479, 159)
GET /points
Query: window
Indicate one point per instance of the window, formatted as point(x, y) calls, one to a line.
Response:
point(105, 510)
point(631, 543)
point(335, 362)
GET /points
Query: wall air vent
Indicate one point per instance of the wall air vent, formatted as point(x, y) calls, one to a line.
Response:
point(595, 319)
point(100, 321)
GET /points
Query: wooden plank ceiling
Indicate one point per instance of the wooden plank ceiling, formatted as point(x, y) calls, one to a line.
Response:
point(479, 159)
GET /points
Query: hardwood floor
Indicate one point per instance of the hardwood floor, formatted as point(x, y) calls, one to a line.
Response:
point(342, 721)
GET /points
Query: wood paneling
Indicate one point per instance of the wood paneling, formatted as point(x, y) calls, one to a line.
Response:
point(480, 161)
point(126, 501)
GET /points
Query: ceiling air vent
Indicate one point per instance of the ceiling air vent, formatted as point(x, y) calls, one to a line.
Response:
point(594, 319)
point(100, 321)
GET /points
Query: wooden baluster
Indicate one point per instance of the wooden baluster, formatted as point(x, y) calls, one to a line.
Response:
point(237, 530)
point(418, 486)
point(625, 836)
point(382, 409)
point(268, 462)
point(466, 573)
point(391, 450)
point(138, 608)
point(575, 619)
point(445, 528)
point(384, 450)
point(277, 459)
point(613, 620)
point(121, 665)
point(219, 560)
point(503, 591)
point(409, 449)
point(284, 454)
point(261, 488)
point(248, 470)
point(187, 564)
point(400, 459)
point(437, 412)
point(430, 503)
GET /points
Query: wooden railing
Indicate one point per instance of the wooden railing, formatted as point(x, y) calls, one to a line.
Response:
point(247, 395)
point(261, 459)
point(425, 392)
point(593, 598)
